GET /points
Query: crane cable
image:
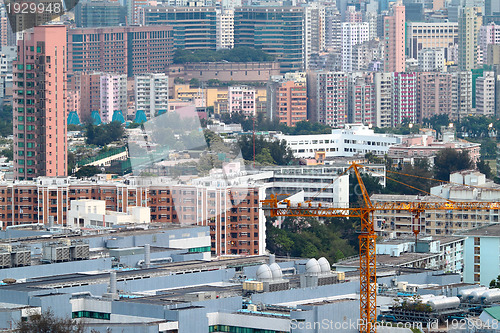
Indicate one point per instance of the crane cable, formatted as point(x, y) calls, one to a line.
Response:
point(415, 188)
point(444, 181)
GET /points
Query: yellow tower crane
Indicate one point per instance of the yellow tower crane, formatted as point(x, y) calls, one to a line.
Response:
point(367, 237)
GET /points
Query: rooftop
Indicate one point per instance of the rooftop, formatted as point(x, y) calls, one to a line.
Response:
point(491, 230)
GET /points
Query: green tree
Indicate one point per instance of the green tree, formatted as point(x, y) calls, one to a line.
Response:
point(104, 134)
point(8, 153)
point(264, 157)
point(484, 167)
point(47, 322)
point(450, 160)
point(87, 171)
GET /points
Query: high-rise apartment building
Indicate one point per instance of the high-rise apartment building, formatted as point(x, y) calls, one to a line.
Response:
point(134, 10)
point(361, 100)
point(89, 87)
point(314, 33)
point(225, 29)
point(371, 19)
point(113, 96)
point(193, 27)
point(352, 34)
point(430, 60)
point(333, 38)
point(291, 99)
point(434, 94)
point(461, 95)
point(488, 34)
point(275, 30)
point(405, 98)
point(125, 50)
point(40, 144)
point(383, 99)
point(469, 22)
point(99, 13)
point(151, 94)
point(329, 103)
point(485, 94)
point(394, 36)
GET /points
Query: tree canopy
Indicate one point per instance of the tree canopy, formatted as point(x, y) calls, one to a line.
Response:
point(104, 134)
point(236, 54)
point(47, 322)
point(450, 160)
point(309, 238)
point(266, 152)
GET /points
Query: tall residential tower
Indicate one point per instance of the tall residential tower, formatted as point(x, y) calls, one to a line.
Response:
point(40, 144)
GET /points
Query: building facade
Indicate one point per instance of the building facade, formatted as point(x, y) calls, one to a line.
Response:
point(291, 98)
point(128, 50)
point(40, 143)
point(329, 103)
point(394, 36)
point(405, 98)
point(225, 29)
point(242, 100)
point(193, 27)
point(434, 94)
point(424, 35)
point(352, 34)
point(354, 139)
point(485, 94)
point(275, 30)
point(97, 13)
point(113, 96)
point(469, 23)
point(151, 94)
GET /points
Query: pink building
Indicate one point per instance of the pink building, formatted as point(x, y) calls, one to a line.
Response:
point(394, 33)
point(424, 146)
point(331, 98)
point(362, 101)
point(404, 98)
point(39, 107)
point(291, 97)
point(241, 99)
point(434, 94)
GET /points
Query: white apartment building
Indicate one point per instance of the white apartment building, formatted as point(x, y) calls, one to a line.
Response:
point(431, 60)
point(461, 94)
point(485, 94)
point(319, 183)
point(352, 34)
point(113, 95)
point(488, 34)
point(383, 99)
point(151, 93)
point(88, 213)
point(225, 29)
point(353, 140)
